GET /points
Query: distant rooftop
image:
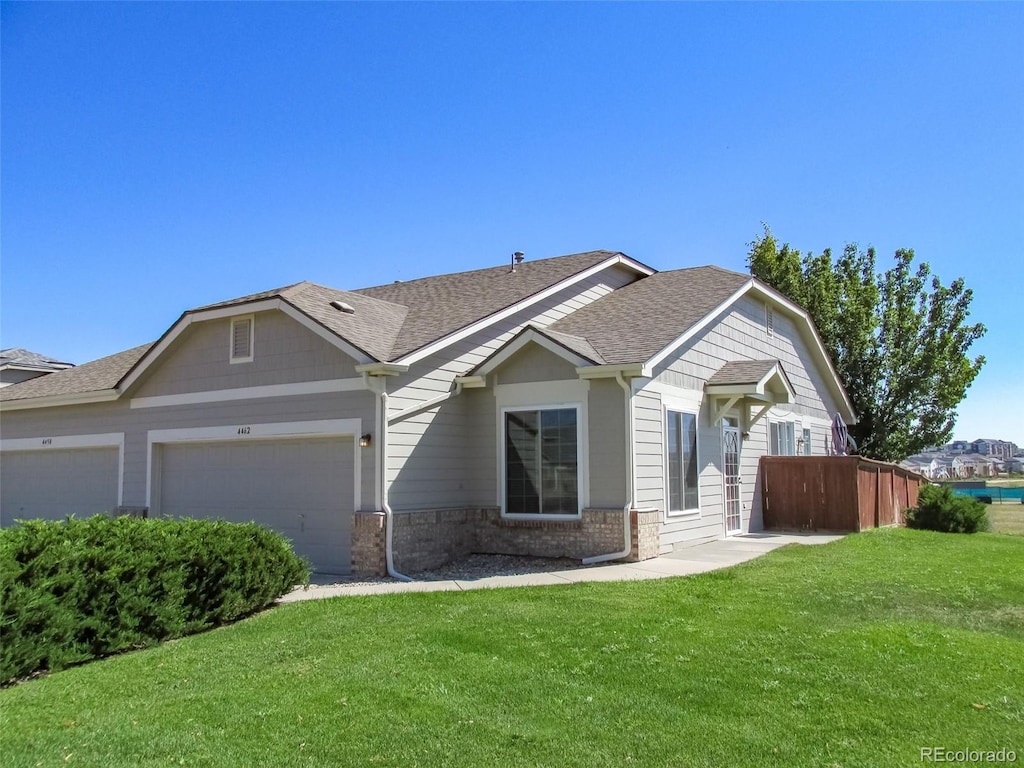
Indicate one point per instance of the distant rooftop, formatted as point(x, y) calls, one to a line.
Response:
point(17, 357)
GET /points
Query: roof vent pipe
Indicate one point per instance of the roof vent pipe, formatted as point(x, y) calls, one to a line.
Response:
point(341, 306)
point(517, 258)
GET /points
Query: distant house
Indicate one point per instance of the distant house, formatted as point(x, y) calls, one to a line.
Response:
point(923, 465)
point(17, 365)
point(581, 406)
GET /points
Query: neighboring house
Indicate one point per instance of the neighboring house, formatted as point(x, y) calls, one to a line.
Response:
point(18, 365)
point(1015, 464)
point(926, 465)
point(578, 406)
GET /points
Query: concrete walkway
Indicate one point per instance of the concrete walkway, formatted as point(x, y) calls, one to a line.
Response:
point(683, 562)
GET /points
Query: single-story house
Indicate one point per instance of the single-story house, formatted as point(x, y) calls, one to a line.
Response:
point(17, 365)
point(586, 406)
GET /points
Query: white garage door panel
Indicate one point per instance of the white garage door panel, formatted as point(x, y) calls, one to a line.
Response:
point(302, 488)
point(52, 484)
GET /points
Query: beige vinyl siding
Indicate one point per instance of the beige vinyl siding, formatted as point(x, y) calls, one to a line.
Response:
point(607, 444)
point(284, 352)
point(136, 422)
point(740, 335)
point(649, 431)
point(430, 450)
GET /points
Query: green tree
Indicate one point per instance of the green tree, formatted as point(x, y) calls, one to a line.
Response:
point(898, 339)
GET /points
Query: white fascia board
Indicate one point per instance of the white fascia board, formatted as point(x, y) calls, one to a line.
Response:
point(631, 370)
point(264, 305)
point(444, 341)
point(52, 401)
point(251, 393)
point(693, 330)
point(529, 335)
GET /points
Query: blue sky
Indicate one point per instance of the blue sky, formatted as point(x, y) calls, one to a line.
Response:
point(157, 157)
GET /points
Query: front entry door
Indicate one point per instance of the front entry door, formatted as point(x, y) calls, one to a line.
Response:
point(731, 463)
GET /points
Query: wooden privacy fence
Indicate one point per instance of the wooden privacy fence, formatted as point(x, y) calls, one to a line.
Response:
point(834, 493)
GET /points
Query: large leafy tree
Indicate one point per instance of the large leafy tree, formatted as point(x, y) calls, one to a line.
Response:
point(898, 339)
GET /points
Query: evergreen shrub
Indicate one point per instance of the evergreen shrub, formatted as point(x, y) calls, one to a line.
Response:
point(76, 590)
point(939, 509)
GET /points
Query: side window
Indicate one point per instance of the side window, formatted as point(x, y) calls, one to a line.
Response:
point(782, 438)
point(681, 434)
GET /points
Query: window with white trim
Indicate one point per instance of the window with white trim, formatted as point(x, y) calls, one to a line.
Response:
point(782, 440)
point(542, 461)
point(681, 436)
point(241, 339)
point(807, 441)
point(769, 319)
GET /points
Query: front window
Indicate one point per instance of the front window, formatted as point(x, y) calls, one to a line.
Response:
point(542, 462)
point(682, 462)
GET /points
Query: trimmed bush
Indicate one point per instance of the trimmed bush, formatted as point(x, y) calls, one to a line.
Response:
point(939, 509)
point(79, 589)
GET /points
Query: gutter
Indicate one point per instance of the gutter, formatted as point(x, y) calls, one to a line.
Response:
point(630, 484)
point(382, 466)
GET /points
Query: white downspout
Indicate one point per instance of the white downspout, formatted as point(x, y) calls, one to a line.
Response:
point(626, 533)
point(389, 524)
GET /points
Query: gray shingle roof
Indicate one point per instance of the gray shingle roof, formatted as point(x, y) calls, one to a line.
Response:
point(89, 377)
point(444, 304)
point(16, 356)
point(634, 323)
point(742, 372)
point(389, 320)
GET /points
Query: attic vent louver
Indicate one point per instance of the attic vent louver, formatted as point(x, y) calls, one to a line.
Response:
point(341, 306)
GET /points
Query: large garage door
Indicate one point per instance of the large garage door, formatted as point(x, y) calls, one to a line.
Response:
point(302, 488)
point(52, 484)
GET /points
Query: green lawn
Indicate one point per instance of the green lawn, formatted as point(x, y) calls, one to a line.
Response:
point(856, 653)
point(1006, 518)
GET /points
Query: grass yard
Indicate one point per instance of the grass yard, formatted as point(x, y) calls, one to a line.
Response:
point(856, 653)
point(1006, 518)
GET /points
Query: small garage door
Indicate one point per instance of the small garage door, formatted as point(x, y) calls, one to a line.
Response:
point(301, 488)
point(52, 484)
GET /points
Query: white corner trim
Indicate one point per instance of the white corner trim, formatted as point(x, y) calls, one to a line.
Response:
point(247, 432)
point(72, 442)
point(693, 330)
point(444, 341)
point(251, 393)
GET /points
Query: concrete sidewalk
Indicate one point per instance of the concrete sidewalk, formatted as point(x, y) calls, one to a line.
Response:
point(683, 562)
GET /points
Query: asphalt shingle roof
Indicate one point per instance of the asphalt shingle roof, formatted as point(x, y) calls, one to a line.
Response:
point(89, 377)
point(389, 320)
point(16, 356)
point(438, 306)
point(742, 372)
point(634, 323)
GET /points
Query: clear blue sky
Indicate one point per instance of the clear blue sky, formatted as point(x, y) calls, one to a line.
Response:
point(157, 157)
